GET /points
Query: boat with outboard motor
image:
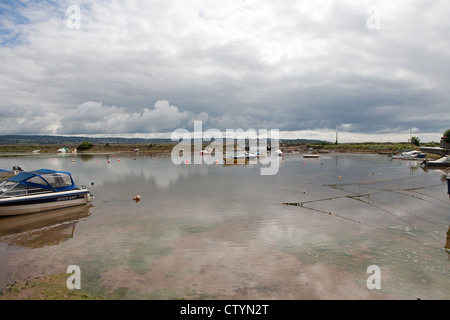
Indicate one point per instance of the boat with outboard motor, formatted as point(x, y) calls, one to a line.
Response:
point(410, 155)
point(40, 190)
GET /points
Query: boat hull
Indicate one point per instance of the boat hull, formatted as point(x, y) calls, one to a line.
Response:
point(313, 156)
point(43, 202)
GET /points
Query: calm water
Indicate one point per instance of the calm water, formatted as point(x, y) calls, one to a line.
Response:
point(223, 232)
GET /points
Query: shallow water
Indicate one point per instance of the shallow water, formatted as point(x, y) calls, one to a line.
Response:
point(224, 232)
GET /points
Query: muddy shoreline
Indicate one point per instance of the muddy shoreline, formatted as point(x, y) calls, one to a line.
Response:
point(159, 148)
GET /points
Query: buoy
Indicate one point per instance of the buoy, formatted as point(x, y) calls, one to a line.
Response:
point(118, 160)
point(98, 162)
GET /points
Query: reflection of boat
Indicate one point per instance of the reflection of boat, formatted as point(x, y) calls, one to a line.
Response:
point(447, 243)
point(235, 161)
point(414, 154)
point(40, 190)
point(44, 229)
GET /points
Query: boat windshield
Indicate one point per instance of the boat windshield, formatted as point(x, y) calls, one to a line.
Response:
point(5, 186)
point(14, 189)
point(56, 179)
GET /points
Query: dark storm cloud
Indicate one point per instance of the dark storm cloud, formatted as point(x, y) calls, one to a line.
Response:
point(147, 67)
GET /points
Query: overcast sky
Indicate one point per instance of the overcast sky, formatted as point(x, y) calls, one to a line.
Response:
point(311, 67)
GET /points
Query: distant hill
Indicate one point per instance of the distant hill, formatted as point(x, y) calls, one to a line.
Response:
point(75, 140)
point(72, 140)
point(303, 141)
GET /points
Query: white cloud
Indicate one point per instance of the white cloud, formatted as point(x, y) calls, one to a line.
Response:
point(308, 65)
point(93, 117)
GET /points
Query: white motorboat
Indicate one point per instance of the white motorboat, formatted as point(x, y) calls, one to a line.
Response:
point(40, 190)
point(414, 154)
point(443, 162)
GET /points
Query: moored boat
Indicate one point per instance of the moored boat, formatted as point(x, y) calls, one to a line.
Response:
point(5, 173)
point(279, 152)
point(443, 162)
point(40, 190)
point(408, 155)
point(311, 154)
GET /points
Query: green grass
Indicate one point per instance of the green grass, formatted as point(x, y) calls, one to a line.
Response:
point(45, 288)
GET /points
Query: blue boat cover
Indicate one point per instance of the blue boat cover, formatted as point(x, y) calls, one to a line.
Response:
point(47, 179)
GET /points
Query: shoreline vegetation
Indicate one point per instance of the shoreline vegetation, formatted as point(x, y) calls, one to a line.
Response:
point(166, 148)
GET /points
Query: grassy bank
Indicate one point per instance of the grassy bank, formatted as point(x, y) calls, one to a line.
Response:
point(383, 148)
point(51, 287)
point(108, 148)
point(379, 148)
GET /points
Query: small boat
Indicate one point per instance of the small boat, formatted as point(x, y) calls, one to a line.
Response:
point(244, 156)
point(206, 152)
point(279, 152)
point(40, 190)
point(5, 173)
point(414, 154)
point(311, 154)
point(439, 163)
point(240, 158)
point(251, 156)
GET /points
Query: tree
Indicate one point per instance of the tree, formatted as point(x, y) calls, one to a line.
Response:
point(415, 141)
point(446, 135)
point(85, 145)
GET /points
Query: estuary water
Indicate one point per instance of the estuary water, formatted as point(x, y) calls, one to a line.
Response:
point(345, 226)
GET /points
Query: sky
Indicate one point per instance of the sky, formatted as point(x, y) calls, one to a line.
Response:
point(370, 70)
